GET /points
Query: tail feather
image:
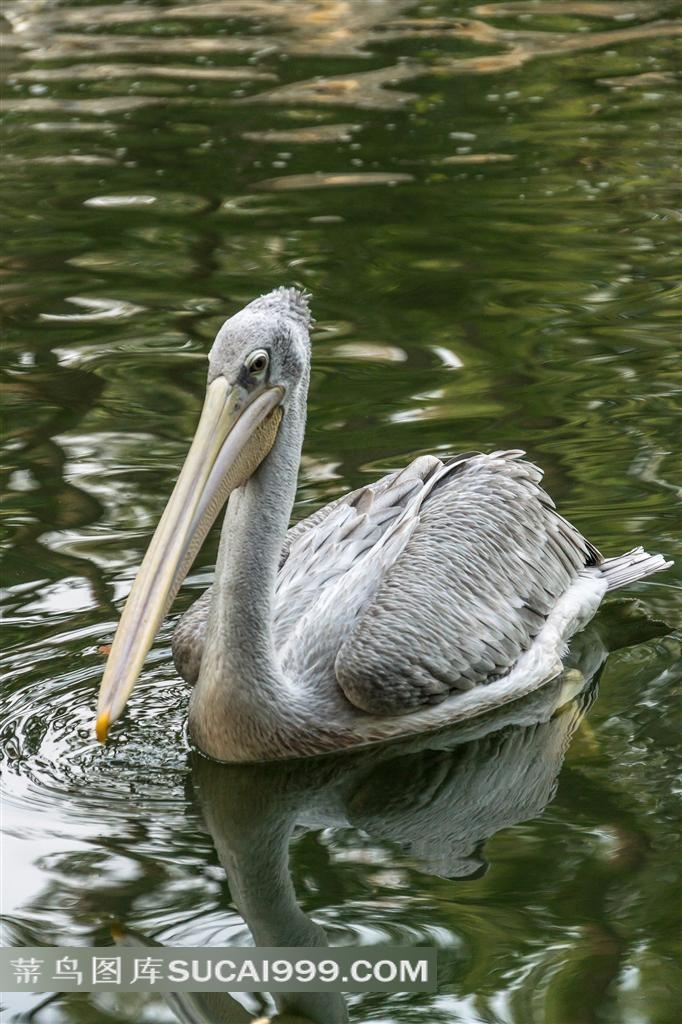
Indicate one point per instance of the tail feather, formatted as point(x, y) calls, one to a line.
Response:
point(632, 566)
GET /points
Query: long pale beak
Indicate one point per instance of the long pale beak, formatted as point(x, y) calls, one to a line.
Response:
point(235, 433)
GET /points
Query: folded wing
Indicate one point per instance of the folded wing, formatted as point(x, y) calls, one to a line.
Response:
point(485, 565)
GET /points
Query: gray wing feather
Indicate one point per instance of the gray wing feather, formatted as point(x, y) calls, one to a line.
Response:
point(362, 531)
point(485, 565)
point(187, 643)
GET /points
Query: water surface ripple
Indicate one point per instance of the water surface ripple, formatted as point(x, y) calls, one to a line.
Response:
point(482, 199)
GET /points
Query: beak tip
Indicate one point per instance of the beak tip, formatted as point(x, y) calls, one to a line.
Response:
point(102, 726)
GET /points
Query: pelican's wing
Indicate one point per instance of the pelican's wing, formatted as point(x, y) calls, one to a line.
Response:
point(486, 562)
point(335, 558)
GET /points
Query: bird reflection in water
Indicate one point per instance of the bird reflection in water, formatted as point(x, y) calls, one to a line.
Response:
point(438, 796)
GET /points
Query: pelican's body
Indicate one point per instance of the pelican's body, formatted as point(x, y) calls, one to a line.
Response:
point(428, 597)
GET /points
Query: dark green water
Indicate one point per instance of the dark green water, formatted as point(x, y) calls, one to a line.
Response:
point(482, 201)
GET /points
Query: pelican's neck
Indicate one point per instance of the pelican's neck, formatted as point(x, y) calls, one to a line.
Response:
point(241, 688)
point(251, 813)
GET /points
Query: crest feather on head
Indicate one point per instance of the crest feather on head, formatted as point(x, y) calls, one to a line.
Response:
point(292, 302)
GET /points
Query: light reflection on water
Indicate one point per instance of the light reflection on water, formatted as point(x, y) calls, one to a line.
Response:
point(482, 202)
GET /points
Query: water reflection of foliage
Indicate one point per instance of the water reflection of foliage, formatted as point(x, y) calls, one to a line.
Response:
point(550, 277)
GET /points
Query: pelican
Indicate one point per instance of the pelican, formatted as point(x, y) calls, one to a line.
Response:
point(435, 594)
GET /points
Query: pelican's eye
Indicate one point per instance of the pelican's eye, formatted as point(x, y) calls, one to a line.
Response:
point(257, 363)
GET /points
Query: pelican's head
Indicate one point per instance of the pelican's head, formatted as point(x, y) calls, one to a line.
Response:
point(258, 365)
point(266, 344)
